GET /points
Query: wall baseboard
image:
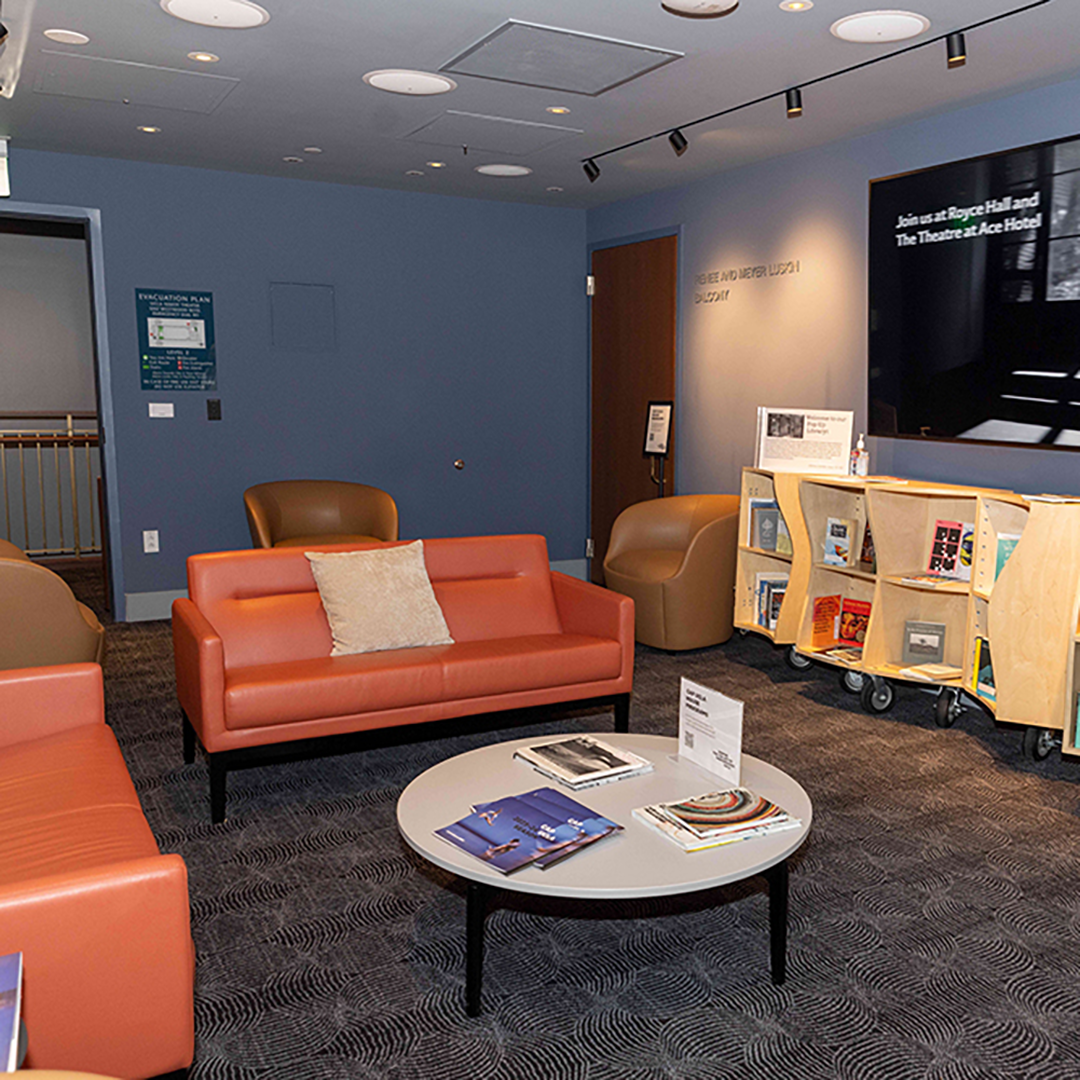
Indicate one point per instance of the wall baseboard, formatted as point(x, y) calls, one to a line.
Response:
point(578, 568)
point(147, 606)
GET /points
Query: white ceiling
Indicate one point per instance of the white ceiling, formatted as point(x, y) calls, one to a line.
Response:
point(298, 82)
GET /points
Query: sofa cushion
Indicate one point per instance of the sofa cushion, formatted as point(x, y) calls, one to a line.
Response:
point(370, 682)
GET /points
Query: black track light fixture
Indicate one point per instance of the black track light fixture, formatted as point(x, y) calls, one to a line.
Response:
point(592, 170)
point(957, 50)
point(678, 142)
point(794, 103)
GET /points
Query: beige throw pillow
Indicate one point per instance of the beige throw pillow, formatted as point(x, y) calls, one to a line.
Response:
point(376, 600)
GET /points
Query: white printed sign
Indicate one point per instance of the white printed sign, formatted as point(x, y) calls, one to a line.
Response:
point(803, 440)
point(710, 730)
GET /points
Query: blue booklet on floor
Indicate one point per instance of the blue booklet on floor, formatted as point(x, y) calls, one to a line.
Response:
point(10, 1000)
point(540, 827)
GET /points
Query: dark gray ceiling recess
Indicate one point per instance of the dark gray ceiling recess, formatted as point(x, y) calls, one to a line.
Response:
point(96, 78)
point(498, 134)
point(552, 59)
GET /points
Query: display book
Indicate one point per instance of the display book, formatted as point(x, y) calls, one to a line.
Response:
point(10, 1007)
point(768, 529)
point(838, 625)
point(537, 828)
point(952, 550)
point(719, 817)
point(582, 761)
point(982, 670)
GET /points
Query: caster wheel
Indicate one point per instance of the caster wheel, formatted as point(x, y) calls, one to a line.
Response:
point(947, 708)
point(796, 660)
point(1038, 742)
point(877, 695)
point(743, 632)
point(852, 682)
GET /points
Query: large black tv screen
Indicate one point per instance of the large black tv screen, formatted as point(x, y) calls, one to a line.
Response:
point(975, 299)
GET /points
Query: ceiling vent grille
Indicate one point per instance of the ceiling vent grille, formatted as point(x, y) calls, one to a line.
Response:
point(552, 59)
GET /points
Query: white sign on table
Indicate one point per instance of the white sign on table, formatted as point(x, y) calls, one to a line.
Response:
point(710, 731)
point(803, 440)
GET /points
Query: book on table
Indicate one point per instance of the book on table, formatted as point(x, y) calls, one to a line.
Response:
point(537, 828)
point(719, 817)
point(580, 761)
point(10, 1007)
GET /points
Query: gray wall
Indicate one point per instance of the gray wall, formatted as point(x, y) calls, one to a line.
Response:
point(801, 340)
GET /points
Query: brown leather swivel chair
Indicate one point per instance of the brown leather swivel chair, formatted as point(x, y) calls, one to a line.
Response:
point(676, 558)
point(292, 513)
point(41, 622)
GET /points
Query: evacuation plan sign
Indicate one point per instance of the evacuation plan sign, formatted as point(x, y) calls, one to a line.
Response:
point(176, 340)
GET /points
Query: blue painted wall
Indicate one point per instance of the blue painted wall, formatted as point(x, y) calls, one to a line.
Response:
point(801, 341)
point(461, 333)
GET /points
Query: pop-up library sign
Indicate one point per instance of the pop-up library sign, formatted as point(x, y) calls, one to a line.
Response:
point(803, 440)
point(710, 731)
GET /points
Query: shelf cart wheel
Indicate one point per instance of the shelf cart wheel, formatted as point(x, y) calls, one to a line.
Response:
point(1038, 742)
point(743, 631)
point(796, 660)
point(877, 694)
point(948, 707)
point(853, 682)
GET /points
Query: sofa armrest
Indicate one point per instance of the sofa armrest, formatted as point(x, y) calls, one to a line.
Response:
point(585, 608)
point(42, 701)
point(200, 670)
point(108, 967)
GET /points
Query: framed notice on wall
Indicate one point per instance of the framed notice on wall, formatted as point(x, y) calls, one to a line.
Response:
point(176, 340)
point(658, 427)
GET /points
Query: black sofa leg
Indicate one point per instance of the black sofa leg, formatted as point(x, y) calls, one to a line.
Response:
point(189, 741)
point(217, 788)
point(622, 713)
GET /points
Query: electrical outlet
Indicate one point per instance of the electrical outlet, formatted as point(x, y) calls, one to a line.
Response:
point(150, 543)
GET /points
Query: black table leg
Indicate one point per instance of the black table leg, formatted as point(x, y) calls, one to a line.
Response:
point(477, 897)
point(777, 877)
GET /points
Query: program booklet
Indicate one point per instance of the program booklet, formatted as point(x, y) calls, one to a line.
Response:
point(581, 761)
point(540, 827)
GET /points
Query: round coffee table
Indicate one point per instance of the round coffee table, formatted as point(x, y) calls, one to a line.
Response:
point(637, 863)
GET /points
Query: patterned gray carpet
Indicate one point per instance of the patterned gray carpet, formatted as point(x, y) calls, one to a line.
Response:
point(935, 913)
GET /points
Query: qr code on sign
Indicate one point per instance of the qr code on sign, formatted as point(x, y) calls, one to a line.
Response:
point(688, 738)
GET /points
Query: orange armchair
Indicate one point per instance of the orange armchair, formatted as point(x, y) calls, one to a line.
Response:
point(298, 513)
point(676, 558)
point(100, 916)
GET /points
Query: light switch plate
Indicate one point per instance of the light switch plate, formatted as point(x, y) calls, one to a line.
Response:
point(150, 543)
point(160, 410)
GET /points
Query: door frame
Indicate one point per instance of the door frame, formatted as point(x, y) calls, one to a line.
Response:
point(91, 218)
point(622, 241)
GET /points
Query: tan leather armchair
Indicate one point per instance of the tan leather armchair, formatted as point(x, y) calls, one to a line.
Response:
point(676, 558)
point(292, 513)
point(41, 622)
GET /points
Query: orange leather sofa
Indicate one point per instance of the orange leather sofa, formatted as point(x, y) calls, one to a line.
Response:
point(253, 663)
point(100, 916)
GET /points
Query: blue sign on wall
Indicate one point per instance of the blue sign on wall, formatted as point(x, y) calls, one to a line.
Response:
point(176, 340)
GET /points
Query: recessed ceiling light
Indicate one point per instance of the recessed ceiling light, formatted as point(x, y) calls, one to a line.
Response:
point(312, 149)
point(203, 57)
point(148, 129)
point(414, 172)
point(700, 9)
point(292, 159)
point(554, 189)
point(796, 5)
point(224, 14)
point(401, 81)
point(67, 37)
point(558, 110)
point(503, 170)
point(875, 27)
point(436, 164)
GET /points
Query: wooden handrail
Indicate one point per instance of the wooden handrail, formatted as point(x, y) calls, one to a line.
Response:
point(47, 415)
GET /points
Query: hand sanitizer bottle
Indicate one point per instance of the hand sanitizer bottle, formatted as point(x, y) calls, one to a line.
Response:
point(860, 457)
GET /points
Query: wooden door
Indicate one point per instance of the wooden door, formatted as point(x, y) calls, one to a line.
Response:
point(633, 363)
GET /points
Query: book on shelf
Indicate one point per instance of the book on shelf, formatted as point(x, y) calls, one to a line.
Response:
point(944, 557)
point(933, 672)
point(538, 828)
point(982, 679)
point(764, 525)
point(867, 555)
point(825, 622)
point(928, 581)
point(783, 538)
point(854, 622)
point(838, 535)
point(1006, 543)
point(924, 643)
point(845, 655)
point(757, 506)
point(769, 590)
point(580, 761)
point(719, 817)
point(11, 972)
point(776, 602)
point(966, 557)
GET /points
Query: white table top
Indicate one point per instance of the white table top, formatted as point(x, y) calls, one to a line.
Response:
point(637, 862)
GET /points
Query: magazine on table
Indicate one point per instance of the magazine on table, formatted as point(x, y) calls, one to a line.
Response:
point(719, 817)
point(581, 761)
point(539, 828)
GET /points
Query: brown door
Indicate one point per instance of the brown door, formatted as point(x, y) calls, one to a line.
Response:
point(633, 363)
